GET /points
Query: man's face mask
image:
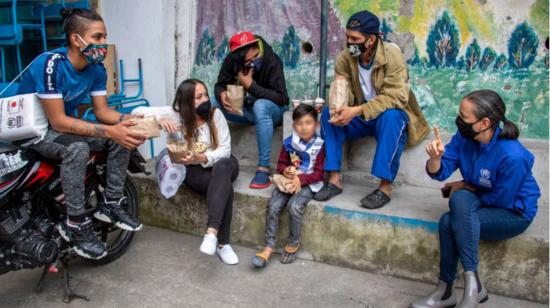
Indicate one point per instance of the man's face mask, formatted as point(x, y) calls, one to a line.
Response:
point(357, 49)
point(255, 64)
point(94, 53)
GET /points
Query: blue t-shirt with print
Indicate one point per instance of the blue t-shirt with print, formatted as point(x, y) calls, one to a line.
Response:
point(52, 75)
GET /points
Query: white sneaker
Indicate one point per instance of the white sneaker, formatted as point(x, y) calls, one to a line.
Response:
point(227, 254)
point(209, 244)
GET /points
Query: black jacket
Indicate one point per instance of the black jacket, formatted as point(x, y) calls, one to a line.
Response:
point(268, 82)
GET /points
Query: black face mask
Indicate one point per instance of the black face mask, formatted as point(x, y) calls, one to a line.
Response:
point(203, 110)
point(467, 129)
point(356, 50)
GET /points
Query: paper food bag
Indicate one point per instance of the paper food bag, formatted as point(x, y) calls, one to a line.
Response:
point(235, 94)
point(282, 183)
point(338, 94)
point(178, 149)
point(147, 126)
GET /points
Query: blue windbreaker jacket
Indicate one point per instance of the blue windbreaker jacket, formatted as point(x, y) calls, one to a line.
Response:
point(500, 171)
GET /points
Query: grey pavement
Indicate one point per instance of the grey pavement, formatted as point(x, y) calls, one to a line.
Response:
point(166, 269)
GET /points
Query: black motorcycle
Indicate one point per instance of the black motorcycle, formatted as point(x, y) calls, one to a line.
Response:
point(31, 205)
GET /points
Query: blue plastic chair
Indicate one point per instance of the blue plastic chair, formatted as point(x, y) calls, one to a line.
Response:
point(51, 12)
point(12, 34)
point(3, 66)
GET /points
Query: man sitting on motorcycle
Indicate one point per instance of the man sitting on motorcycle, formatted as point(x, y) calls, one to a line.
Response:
point(63, 78)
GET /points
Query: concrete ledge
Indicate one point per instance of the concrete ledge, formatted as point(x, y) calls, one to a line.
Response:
point(398, 240)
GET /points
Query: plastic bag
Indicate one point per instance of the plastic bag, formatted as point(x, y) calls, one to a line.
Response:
point(169, 176)
point(22, 117)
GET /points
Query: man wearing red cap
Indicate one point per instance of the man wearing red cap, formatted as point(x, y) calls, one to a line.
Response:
point(380, 104)
point(253, 65)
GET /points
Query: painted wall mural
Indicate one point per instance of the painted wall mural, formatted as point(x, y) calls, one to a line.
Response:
point(452, 47)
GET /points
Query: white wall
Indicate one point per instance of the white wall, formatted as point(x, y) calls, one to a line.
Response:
point(147, 29)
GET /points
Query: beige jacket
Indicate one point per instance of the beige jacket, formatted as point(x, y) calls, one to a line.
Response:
point(390, 80)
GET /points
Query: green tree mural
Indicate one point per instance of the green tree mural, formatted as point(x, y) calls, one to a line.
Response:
point(487, 58)
point(223, 49)
point(206, 49)
point(472, 55)
point(522, 46)
point(290, 48)
point(460, 63)
point(443, 42)
point(500, 62)
point(415, 59)
point(385, 28)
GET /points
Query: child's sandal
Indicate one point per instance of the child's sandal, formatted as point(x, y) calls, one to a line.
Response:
point(289, 255)
point(259, 260)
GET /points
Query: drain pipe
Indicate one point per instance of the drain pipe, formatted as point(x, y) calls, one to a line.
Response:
point(323, 49)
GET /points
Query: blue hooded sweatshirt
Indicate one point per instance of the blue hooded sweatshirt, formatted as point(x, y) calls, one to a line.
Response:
point(500, 171)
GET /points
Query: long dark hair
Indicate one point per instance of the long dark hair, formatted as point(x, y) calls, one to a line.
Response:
point(77, 20)
point(488, 104)
point(184, 104)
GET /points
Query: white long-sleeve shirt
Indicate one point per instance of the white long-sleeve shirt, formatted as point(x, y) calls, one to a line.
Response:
point(203, 132)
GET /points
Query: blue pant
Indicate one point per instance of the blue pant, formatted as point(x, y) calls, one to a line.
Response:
point(465, 224)
point(389, 129)
point(265, 115)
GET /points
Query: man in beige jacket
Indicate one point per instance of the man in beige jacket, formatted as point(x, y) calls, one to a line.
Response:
point(380, 104)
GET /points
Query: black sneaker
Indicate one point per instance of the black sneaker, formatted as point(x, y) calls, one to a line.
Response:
point(113, 212)
point(85, 243)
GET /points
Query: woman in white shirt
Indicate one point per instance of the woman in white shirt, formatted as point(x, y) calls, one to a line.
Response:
point(210, 174)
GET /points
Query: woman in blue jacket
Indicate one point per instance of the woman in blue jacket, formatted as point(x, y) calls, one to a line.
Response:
point(496, 200)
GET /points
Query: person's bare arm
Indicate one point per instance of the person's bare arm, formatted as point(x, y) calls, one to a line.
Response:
point(107, 115)
point(60, 122)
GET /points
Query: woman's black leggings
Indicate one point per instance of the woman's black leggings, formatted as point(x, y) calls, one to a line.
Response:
point(216, 184)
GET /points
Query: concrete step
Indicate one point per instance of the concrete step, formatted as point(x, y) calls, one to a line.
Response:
point(166, 269)
point(358, 156)
point(398, 240)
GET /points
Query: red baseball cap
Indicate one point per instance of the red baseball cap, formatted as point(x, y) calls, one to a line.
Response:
point(241, 39)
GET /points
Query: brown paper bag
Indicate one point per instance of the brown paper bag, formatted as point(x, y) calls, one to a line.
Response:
point(147, 126)
point(282, 183)
point(177, 150)
point(235, 94)
point(338, 94)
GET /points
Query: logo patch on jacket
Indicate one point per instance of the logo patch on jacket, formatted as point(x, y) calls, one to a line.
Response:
point(485, 177)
